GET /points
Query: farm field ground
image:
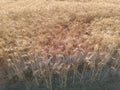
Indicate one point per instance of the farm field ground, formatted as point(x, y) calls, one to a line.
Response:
point(59, 44)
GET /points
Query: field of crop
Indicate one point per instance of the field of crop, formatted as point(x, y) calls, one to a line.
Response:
point(60, 44)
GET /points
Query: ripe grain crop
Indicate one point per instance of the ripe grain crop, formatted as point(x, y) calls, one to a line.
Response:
point(42, 39)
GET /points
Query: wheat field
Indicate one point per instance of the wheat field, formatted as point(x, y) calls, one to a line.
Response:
point(44, 39)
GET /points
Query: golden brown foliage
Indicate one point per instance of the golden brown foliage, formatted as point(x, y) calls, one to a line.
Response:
point(58, 27)
point(80, 35)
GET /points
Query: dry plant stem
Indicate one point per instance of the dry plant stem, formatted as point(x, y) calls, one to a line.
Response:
point(74, 75)
point(93, 74)
point(50, 80)
point(63, 76)
point(75, 72)
point(99, 72)
point(83, 72)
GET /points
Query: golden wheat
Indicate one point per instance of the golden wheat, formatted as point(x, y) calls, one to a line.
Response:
point(38, 31)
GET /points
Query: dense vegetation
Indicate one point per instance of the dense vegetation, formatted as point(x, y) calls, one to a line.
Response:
point(60, 44)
